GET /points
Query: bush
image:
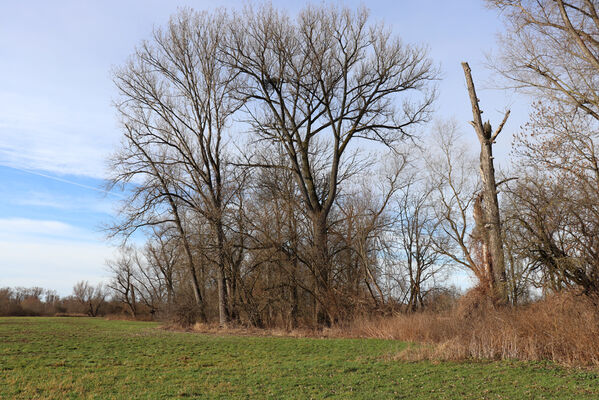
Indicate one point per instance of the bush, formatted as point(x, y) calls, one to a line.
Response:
point(185, 313)
point(562, 328)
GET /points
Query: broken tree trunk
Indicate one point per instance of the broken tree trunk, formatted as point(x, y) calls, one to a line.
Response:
point(491, 217)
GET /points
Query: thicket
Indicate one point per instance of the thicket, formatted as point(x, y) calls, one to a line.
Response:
point(286, 174)
point(562, 328)
point(86, 300)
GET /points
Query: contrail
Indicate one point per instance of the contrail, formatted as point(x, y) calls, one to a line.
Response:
point(55, 178)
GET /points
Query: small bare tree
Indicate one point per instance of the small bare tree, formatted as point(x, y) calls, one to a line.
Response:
point(89, 296)
point(122, 283)
point(363, 224)
point(417, 228)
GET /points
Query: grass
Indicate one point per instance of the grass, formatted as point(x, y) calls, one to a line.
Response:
point(99, 359)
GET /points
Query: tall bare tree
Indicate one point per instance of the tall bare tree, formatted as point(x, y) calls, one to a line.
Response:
point(550, 50)
point(319, 83)
point(175, 103)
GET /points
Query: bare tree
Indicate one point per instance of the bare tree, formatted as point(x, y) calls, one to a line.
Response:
point(275, 274)
point(417, 228)
point(363, 224)
point(555, 201)
point(175, 101)
point(550, 48)
point(163, 254)
point(122, 283)
point(450, 168)
point(522, 270)
point(91, 297)
point(317, 84)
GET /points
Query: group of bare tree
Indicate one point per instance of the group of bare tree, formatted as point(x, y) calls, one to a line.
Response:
point(278, 168)
point(27, 301)
point(87, 299)
point(551, 50)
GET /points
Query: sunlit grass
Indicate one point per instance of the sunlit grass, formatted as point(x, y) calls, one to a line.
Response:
point(95, 358)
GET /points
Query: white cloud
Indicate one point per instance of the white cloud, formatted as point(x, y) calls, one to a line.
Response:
point(34, 229)
point(36, 133)
point(62, 202)
point(57, 265)
point(50, 254)
point(50, 151)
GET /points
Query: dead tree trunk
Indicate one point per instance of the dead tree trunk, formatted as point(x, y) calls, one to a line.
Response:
point(491, 217)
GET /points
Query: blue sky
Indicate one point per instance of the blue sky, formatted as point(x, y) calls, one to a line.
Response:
point(57, 126)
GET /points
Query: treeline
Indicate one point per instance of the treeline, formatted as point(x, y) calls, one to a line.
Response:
point(285, 172)
point(86, 300)
point(22, 301)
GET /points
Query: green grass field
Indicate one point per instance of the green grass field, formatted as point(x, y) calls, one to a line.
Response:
point(94, 358)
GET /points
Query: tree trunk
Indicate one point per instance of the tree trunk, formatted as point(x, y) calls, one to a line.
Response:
point(132, 305)
point(223, 314)
point(294, 305)
point(187, 247)
point(321, 269)
point(196, 290)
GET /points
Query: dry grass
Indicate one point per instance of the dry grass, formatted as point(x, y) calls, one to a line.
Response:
point(241, 330)
point(64, 314)
point(127, 317)
point(563, 328)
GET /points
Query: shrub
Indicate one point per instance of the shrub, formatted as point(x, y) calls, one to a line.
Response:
point(562, 328)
